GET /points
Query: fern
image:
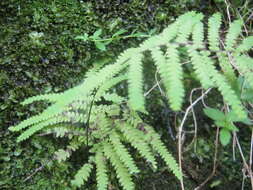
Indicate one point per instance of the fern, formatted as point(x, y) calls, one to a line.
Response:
point(109, 84)
point(200, 68)
point(198, 36)
point(213, 32)
point(186, 28)
point(246, 45)
point(233, 33)
point(227, 92)
point(158, 146)
point(228, 71)
point(114, 125)
point(135, 83)
point(135, 137)
point(102, 178)
point(122, 172)
point(82, 175)
point(171, 73)
point(123, 154)
point(49, 97)
point(245, 66)
point(175, 76)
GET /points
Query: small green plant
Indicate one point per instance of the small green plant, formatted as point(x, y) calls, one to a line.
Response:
point(101, 43)
point(226, 122)
point(92, 116)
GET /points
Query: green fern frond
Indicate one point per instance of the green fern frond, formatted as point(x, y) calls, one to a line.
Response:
point(234, 31)
point(170, 32)
point(29, 132)
point(45, 115)
point(228, 70)
point(186, 28)
point(135, 137)
point(80, 92)
point(109, 84)
point(123, 153)
point(72, 117)
point(198, 35)
point(223, 86)
point(82, 175)
point(150, 43)
point(101, 174)
point(214, 24)
point(245, 66)
point(246, 45)
point(200, 69)
point(48, 97)
point(114, 122)
point(170, 68)
point(175, 78)
point(135, 81)
point(115, 98)
point(122, 173)
point(75, 143)
point(158, 146)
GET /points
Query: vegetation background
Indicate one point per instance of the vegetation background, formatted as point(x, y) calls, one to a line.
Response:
point(39, 53)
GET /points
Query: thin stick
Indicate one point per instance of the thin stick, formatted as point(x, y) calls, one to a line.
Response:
point(249, 170)
point(195, 121)
point(180, 134)
point(36, 171)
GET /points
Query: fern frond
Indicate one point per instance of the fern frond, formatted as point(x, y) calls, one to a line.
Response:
point(30, 131)
point(45, 115)
point(171, 74)
point(228, 70)
point(48, 97)
point(223, 86)
point(246, 45)
point(214, 24)
point(200, 69)
point(72, 117)
point(135, 81)
point(123, 153)
point(122, 173)
point(101, 174)
point(82, 175)
point(75, 143)
point(234, 31)
point(158, 146)
point(79, 92)
point(245, 66)
point(113, 125)
point(109, 84)
point(135, 137)
point(198, 35)
point(115, 98)
point(150, 43)
point(186, 28)
point(170, 32)
point(175, 78)
point(62, 155)
point(99, 78)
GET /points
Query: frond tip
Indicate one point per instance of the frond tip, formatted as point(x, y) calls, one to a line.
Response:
point(135, 81)
point(82, 175)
